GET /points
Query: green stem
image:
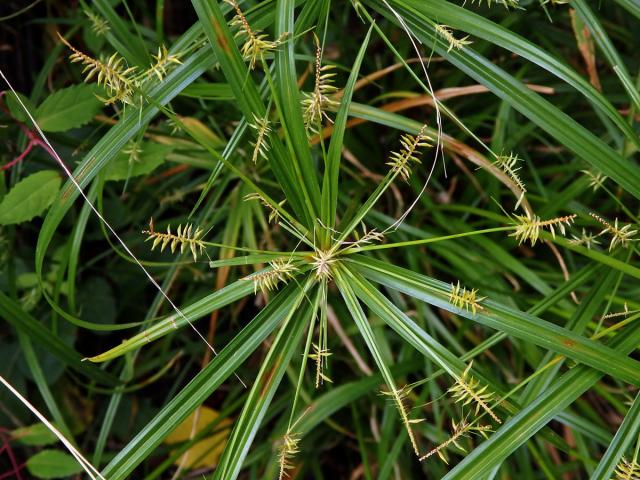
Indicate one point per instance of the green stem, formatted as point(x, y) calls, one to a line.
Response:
point(423, 241)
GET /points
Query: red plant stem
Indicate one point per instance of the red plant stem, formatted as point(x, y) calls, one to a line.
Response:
point(16, 468)
point(34, 140)
point(15, 471)
point(20, 157)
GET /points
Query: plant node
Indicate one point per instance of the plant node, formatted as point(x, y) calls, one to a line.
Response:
point(322, 264)
point(586, 239)
point(273, 213)
point(596, 180)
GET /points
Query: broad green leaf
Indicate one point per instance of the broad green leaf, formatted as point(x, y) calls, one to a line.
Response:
point(68, 108)
point(124, 165)
point(16, 109)
point(53, 464)
point(37, 434)
point(30, 197)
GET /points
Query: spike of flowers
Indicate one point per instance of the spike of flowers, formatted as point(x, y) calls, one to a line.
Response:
point(596, 180)
point(467, 390)
point(619, 235)
point(586, 239)
point(260, 146)
point(98, 24)
point(256, 44)
point(528, 226)
point(623, 313)
point(162, 64)
point(445, 32)
point(113, 75)
point(399, 397)
point(288, 449)
point(186, 237)
point(461, 429)
point(400, 161)
point(320, 356)
point(281, 271)
point(273, 213)
point(465, 299)
point(627, 470)
point(508, 164)
point(316, 103)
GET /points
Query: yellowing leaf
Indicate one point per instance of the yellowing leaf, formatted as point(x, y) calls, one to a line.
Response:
point(206, 452)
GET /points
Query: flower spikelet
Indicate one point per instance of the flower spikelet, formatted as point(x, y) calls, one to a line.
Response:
point(528, 226)
point(461, 429)
point(468, 390)
point(465, 299)
point(620, 235)
point(281, 271)
point(400, 162)
point(445, 32)
point(399, 397)
point(112, 74)
point(187, 237)
point(256, 43)
point(508, 164)
point(316, 103)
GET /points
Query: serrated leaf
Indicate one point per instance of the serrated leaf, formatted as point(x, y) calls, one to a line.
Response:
point(16, 109)
point(68, 108)
point(30, 197)
point(124, 166)
point(53, 464)
point(36, 434)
